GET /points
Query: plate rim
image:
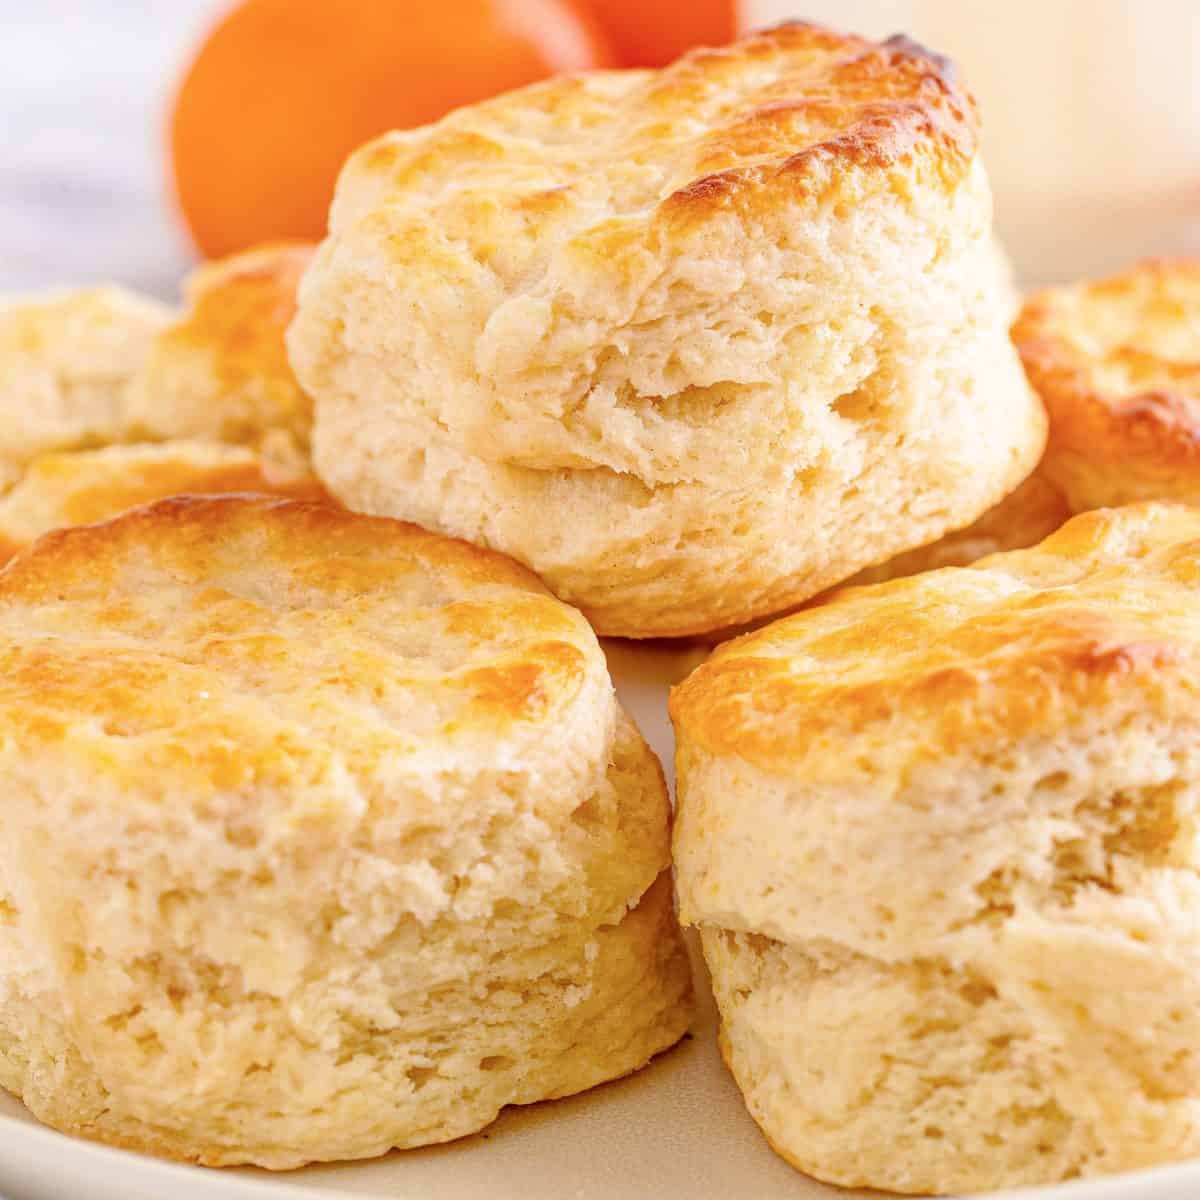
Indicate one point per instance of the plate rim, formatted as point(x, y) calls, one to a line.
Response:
point(1163, 1182)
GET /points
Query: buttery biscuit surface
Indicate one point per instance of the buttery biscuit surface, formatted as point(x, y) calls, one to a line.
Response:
point(322, 835)
point(1117, 364)
point(938, 836)
point(111, 399)
point(639, 329)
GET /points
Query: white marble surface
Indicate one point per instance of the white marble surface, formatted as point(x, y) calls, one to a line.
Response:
point(84, 90)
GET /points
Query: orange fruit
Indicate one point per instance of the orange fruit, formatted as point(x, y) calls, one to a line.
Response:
point(652, 33)
point(282, 90)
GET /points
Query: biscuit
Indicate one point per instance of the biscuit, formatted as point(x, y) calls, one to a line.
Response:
point(84, 486)
point(694, 344)
point(66, 361)
point(323, 835)
point(1022, 519)
point(220, 372)
point(938, 835)
point(112, 400)
point(1117, 363)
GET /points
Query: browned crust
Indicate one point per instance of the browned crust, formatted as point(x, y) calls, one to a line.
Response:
point(244, 304)
point(199, 525)
point(98, 580)
point(962, 656)
point(238, 312)
point(1031, 512)
point(151, 482)
point(861, 104)
point(1024, 517)
point(1151, 431)
point(83, 487)
point(806, 114)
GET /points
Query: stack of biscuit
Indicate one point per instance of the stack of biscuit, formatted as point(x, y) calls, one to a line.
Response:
point(325, 833)
point(113, 400)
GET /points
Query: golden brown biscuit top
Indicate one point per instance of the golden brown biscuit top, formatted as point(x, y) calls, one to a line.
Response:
point(79, 487)
point(241, 307)
point(221, 369)
point(238, 641)
point(1117, 363)
point(776, 118)
point(925, 666)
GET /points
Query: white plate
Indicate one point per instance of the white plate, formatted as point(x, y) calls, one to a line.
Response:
point(675, 1130)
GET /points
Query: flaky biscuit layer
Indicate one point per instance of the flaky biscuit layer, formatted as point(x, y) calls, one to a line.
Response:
point(938, 834)
point(322, 835)
point(640, 329)
point(1117, 363)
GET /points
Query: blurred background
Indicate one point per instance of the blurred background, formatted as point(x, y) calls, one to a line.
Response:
point(84, 88)
point(1091, 109)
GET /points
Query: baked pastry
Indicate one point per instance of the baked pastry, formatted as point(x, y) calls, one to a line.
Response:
point(80, 487)
point(1117, 363)
point(694, 343)
point(321, 835)
point(65, 365)
point(1025, 516)
point(220, 372)
point(938, 836)
point(113, 400)
point(1022, 519)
